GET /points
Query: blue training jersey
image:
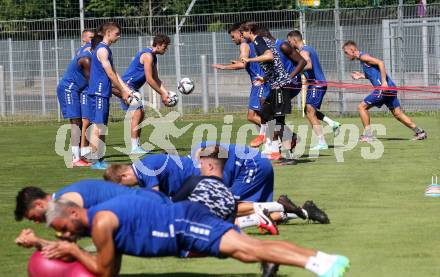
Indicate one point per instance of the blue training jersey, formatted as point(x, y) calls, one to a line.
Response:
point(316, 74)
point(253, 69)
point(169, 172)
point(95, 191)
point(74, 76)
point(236, 159)
point(99, 83)
point(372, 73)
point(145, 228)
point(134, 76)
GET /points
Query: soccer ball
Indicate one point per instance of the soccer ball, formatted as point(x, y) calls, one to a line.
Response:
point(135, 98)
point(172, 99)
point(186, 85)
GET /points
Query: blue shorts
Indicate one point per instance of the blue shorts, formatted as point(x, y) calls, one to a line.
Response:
point(258, 92)
point(68, 96)
point(85, 110)
point(377, 99)
point(255, 181)
point(198, 230)
point(98, 109)
point(315, 95)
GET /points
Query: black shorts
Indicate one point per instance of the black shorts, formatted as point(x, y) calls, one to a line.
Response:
point(280, 101)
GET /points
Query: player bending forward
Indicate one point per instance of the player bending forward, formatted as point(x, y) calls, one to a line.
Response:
point(374, 70)
point(136, 226)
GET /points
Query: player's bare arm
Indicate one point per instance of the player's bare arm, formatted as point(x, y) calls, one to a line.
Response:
point(266, 57)
point(236, 65)
point(28, 239)
point(306, 56)
point(373, 61)
point(102, 55)
point(294, 56)
point(152, 77)
point(85, 63)
point(356, 75)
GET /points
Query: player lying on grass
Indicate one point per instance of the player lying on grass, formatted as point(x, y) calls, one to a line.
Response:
point(137, 226)
point(316, 88)
point(32, 202)
point(374, 70)
point(250, 179)
point(72, 94)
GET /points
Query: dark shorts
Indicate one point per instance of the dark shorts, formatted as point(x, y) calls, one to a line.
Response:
point(280, 101)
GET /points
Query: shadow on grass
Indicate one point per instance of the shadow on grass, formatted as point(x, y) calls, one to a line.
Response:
point(185, 274)
point(394, 139)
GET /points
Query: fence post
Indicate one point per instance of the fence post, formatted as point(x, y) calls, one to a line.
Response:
point(437, 50)
point(42, 87)
point(55, 31)
point(72, 48)
point(205, 93)
point(11, 76)
point(339, 57)
point(142, 91)
point(177, 64)
point(2, 92)
point(401, 50)
point(214, 60)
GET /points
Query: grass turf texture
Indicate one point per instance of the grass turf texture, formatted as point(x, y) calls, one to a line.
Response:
point(379, 216)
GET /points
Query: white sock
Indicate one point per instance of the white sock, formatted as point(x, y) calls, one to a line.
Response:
point(263, 129)
point(275, 146)
point(76, 153)
point(321, 139)
point(319, 266)
point(248, 221)
point(270, 206)
point(291, 216)
point(85, 150)
point(134, 143)
point(325, 256)
point(328, 121)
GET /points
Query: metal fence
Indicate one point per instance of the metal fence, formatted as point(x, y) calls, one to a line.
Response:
point(34, 54)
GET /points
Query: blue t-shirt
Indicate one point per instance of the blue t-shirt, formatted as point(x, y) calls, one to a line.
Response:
point(99, 83)
point(169, 172)
point(94, 192)
point(315, 74)
point(372, 73)
point(134, 76)
point(74, 76)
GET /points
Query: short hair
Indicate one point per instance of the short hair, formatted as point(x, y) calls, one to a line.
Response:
point(58, 208)
point(24, 200)
point(161, 39)
point(234, 27)
point(114, 171)
point(349, 43)
point(296, 34)
point(215, 152)
point(87, 31)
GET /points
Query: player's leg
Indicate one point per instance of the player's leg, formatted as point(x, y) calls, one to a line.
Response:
point(136, 116)
point(253, 115)
point(317, 128)
point(85, 121)
point(374, 99)
point(393, 104)
point(97, 142)
point(247, 249)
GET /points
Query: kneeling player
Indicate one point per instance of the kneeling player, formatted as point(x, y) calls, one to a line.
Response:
point(136, 226)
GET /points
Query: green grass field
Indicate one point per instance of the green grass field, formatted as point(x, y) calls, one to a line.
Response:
point(379, 216)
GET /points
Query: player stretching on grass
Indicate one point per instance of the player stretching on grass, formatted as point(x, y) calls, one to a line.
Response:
point(71, 91)
point(374, 70)
point(102, 76)
point(137, 226)
point(143, 68)
point(247, 50)
point(315, 90)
